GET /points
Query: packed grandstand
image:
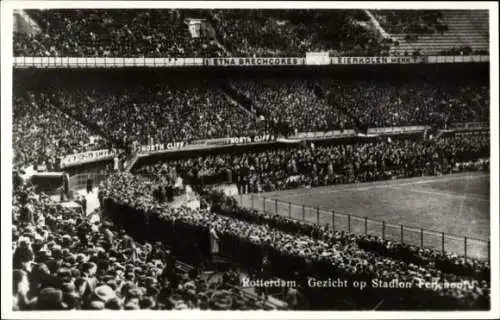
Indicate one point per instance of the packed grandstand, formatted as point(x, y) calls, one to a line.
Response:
point(259, 32)
point(260, 131)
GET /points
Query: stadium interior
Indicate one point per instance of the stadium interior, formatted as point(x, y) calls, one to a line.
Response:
point(171, 188)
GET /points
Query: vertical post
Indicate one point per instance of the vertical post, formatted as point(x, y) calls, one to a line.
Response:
point(276, 206)
point(264, 203)
point(290, 209)
point(402, 235)
point(465, 247)
point(366, 225)
point(349, 223)
point(421, 237)
point(317, 215)
point(251, 197)
point(489, 247)
point(303, 212)
point(383, 230)
point(333, 220)
point(442, 242)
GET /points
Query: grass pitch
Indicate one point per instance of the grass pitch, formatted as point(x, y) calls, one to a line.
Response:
point(416, 210)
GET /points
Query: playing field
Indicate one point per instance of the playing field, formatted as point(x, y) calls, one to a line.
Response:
point(416, 211)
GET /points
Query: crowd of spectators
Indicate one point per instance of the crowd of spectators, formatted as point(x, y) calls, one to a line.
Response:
point(42, 134)
point(64, 261)
point(113, 33)
point(164, 33)
point(347, 104)
point(128, 201)
point(154, 114)
point(45, 127)
point(382, 104)
point(292, 167)
point(411, 21)
point(294, 104)
point(267, 33)
point(222, 32)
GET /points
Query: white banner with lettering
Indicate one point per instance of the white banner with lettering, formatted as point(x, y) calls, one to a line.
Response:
point(161, 147)
point(85, 157)
point(379, 60)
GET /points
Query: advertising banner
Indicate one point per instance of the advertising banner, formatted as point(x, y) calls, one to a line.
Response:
point(233, 61)
point(378, 60)
point(161, 147)
point(86, 157)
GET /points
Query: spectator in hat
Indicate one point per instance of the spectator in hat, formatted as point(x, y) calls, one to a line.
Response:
point(104, 293)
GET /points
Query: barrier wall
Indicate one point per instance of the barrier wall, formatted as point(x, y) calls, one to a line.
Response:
point(124, 62)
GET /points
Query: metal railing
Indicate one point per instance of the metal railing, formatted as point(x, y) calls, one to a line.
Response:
point(420, 237)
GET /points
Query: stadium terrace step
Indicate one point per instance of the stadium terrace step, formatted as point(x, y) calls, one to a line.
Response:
point(465, 29)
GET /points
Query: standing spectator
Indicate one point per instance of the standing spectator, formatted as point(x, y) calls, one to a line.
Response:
point(84, 205)
point(89, 185)
point(20, 288)
point(264, 274)
point(62, 194)
point(27, 214)
point(292, 297)
point(23, 256)
point(82, 231)
point(107, 234)
point(214, 242)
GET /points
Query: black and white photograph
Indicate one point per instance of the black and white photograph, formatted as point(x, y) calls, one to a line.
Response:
point(322, 159)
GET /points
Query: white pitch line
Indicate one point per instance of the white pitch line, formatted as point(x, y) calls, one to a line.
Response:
point(311, 191)
point(445, 194)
